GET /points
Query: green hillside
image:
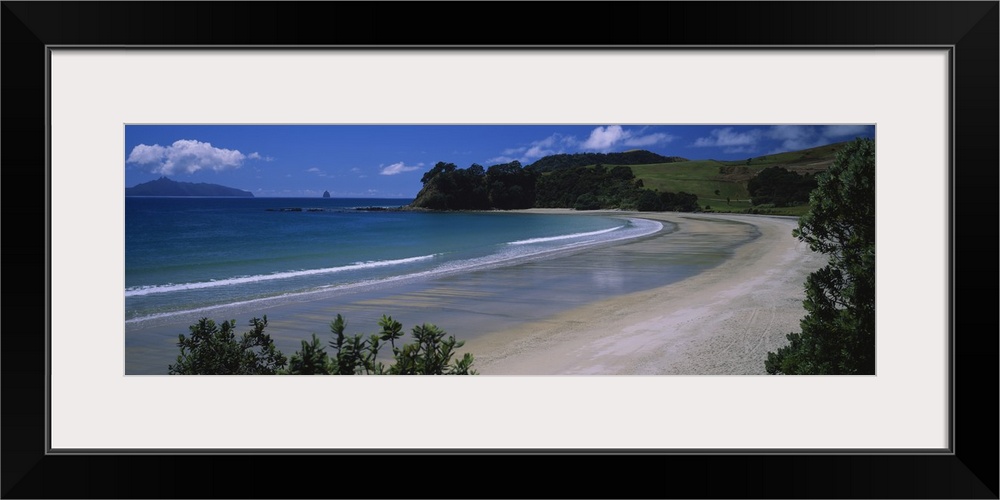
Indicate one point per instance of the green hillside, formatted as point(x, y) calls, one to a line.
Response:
point(729, 178)
point(564, 181)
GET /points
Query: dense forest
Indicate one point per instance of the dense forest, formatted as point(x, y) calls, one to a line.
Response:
point(780, 187)
point(505, 186)
point(510, 186)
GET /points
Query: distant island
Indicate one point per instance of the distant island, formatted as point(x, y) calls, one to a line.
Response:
point(326, 194)
point(166, 187)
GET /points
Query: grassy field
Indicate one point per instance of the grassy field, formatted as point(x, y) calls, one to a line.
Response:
point(721, 185)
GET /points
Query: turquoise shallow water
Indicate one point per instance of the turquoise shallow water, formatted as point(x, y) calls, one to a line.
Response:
point(489, 271)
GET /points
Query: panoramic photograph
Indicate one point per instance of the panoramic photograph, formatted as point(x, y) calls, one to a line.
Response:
point(600, 249)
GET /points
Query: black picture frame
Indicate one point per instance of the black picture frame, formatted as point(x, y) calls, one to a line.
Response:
point(969, 471)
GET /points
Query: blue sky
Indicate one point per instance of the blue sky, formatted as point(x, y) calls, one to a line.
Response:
point(387, 161)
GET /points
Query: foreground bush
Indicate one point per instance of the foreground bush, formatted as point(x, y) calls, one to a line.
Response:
point(214, 350)
point(838, 331)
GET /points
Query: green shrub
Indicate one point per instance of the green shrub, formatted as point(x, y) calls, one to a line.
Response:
point(838, 331)
point(214, 350)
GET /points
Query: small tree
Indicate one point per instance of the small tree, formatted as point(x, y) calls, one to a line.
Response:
point(214, 350)
point(838, 332)
point(431, 354)
point(350, 351)
point(311, 360)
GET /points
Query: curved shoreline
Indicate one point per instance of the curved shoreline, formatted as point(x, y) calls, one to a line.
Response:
point(721, 321)
point(556, 316)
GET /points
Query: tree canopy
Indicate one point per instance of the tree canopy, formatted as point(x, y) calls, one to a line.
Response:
point(780, 187)
point(838, 331)
point(509, 186)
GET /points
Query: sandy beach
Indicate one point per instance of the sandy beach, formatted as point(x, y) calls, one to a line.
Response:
point(722, 321)
point(710, 295)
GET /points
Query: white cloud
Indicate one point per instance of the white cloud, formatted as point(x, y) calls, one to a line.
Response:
point(649, 140)
point(791, 132)
point(726, 137)
point(553, 144)
point(600, 139)
point(796, 137)
point(257, 156)
point(500, 159)
point(398, 168)
point(143, 154)
point(317, 171)
point(603, 138)
point(185, 155)
point(844, 130)
point(538, 152)
point(549, 141)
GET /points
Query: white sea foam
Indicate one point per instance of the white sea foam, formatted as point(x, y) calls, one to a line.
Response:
point(563, 237)
point(147, 290)
point(636, 228)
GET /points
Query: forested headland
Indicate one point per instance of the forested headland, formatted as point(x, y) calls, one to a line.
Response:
point(558, 181)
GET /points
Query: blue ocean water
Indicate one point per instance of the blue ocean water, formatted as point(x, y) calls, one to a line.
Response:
point(189, 254)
